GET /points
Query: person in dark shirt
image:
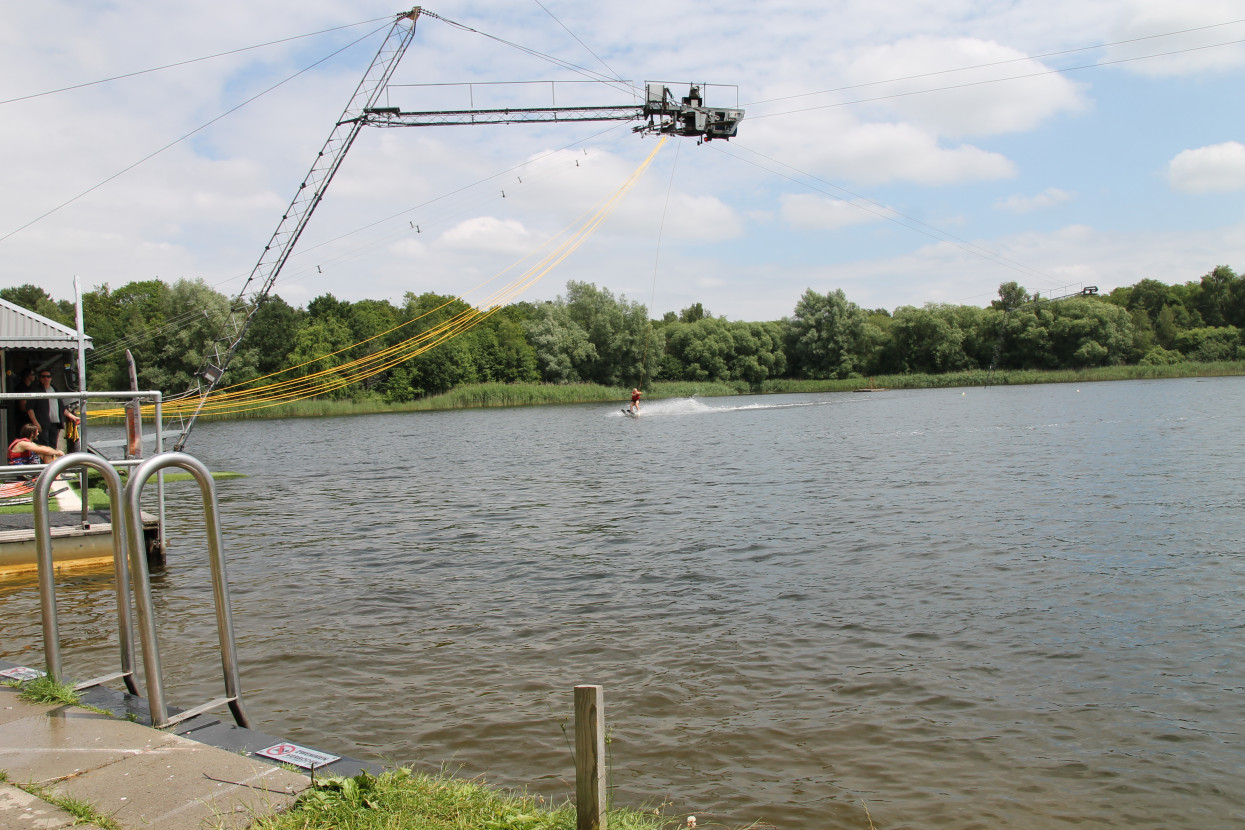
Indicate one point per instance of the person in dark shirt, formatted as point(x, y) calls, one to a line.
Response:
point(48, 414)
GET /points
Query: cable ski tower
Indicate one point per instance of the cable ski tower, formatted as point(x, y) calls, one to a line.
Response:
point(661, 112)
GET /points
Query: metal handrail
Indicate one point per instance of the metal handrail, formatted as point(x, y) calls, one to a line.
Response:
point(47, 590)
point(220, 590)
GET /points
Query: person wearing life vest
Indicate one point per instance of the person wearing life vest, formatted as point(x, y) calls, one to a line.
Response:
point(24, 450)
point(635, 400)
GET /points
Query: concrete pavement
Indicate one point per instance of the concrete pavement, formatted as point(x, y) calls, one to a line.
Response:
point(138, 776)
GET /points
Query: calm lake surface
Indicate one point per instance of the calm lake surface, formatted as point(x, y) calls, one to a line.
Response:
point(1005, 607)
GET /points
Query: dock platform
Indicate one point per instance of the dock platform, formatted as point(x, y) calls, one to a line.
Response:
point(201, 774)
point(72, 544)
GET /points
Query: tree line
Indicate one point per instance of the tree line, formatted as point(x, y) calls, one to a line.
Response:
point(590, 335)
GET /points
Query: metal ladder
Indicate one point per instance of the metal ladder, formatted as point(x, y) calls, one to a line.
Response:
point(47, 589)
point(127, 526)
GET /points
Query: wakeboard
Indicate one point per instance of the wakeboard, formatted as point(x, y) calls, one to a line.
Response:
point(627, 411)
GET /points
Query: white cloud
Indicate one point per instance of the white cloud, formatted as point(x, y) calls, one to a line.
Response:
point(1187, 35)
point(1219, 167)
point(487, 233)
point(1050, 197)
point(812, 212)
point(946, 96)
point(837, 145)
point(903, 152)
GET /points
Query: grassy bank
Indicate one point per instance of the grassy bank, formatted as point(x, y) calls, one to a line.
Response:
point(479, 395)
point(400, 798)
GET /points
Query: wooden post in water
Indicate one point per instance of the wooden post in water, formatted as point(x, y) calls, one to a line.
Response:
point(590, 783)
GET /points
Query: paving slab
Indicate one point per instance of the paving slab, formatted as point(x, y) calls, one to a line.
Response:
point(14, 708)
point(199, 774)
point(19, 810)
point(186, 784)
point(69, 741)
point(139, 776)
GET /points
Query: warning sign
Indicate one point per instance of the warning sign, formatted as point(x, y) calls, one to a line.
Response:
point(22, 673)
point(299, 756)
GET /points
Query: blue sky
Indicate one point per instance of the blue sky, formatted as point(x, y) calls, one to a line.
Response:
point(1131, 168)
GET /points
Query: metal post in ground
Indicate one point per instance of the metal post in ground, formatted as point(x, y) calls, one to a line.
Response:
point(590, 783)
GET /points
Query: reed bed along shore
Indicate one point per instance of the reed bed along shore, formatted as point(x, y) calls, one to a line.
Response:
point(478, 395)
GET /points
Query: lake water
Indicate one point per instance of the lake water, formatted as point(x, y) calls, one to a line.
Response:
point(1005, 607)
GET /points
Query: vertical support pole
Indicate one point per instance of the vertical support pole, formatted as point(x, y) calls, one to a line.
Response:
point(590, 783)
point(84, 479)
point(162, 524)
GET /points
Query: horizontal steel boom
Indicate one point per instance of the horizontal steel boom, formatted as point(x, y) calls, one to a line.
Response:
point(387, 117)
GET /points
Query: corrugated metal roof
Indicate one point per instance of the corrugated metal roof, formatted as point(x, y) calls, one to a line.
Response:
point(23, 329)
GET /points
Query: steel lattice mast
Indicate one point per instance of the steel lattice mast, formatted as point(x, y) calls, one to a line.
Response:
point(257, 286)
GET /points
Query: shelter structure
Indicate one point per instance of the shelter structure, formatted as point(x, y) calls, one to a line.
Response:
point(31, 340)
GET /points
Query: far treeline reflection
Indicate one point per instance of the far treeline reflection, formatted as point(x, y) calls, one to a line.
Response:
point(590, 336)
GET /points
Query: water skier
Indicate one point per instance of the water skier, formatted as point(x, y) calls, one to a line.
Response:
point(635, 400)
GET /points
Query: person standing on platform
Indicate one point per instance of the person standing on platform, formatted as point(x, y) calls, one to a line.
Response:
point(48, 414)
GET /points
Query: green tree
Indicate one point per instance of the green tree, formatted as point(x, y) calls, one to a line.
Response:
point(619, 330)
point(199, 312)
point(1089, 332)
point(318, 351)
point(590, 335)
point(1012, 296)
point(506, 356)
point(826, 336)
point(758, 352)
point(273, 333)
point(1218, 297)
point(929, 339)
point(1209, 343)
point(693, 313)
point(701, 350)
point(561, 345)
point(33, 298)
point(1143, 332)
point(452, 358)
point(134, 317)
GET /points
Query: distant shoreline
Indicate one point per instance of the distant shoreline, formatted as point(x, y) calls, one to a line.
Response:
point(482, 395)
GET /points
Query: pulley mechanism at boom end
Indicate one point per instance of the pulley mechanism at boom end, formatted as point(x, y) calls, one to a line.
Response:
point(689, 117)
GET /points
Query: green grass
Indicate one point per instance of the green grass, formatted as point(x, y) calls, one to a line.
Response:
point(48, 689)
point(84, 812)
point(403, 799)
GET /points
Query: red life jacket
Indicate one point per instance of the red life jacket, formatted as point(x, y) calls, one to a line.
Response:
point(28, 457)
